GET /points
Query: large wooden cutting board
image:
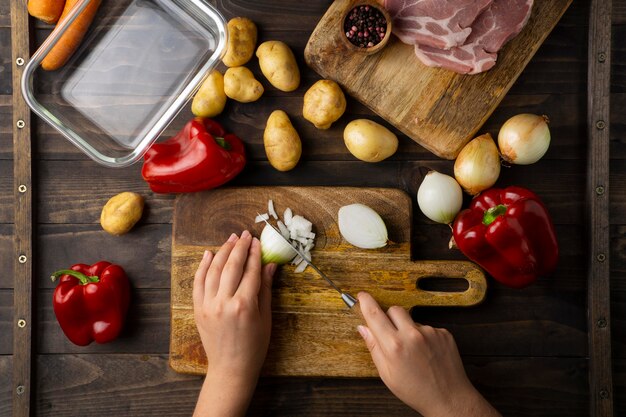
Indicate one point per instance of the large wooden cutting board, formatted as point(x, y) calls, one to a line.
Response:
point(437, 108)
point(313, 332)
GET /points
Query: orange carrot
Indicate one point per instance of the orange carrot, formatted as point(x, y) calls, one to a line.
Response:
point(48, 11)
point(72, 37)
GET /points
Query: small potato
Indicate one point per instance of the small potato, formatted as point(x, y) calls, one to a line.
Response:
point(282, 143)
point(369, 141)
point(121, 212)
point(242, 37)
point(279, 66)
point(324, 104)
point(210, 99)
point(240, 85)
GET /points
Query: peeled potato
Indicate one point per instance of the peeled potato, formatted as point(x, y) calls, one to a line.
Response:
point(324, 104)
point(121, 212)
point(282, 142)
point(279, 66)
point(210, 99)
point(240, 85)
point(369, 141)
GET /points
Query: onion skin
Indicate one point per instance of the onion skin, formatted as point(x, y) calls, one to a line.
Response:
point(524, 139)
point(440, 197)
point(477, 167)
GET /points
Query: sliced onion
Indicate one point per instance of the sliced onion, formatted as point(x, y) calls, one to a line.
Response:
point(271, 211)
point(524, 139)
point(440, 197)
point(478, 165)
point(362, 227)
point(274, 248)
point(261, 218)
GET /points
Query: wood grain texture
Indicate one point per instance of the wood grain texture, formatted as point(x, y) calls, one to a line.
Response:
point(439, 109)
point(599, 292)
point(313, 333)
point(143, 385)
point(6, 365)
point(6, 324)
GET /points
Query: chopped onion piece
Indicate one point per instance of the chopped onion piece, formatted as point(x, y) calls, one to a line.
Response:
point(270, 209)
point(283, 229)
point(288, 216)
point(261, 218)
point(301, 267)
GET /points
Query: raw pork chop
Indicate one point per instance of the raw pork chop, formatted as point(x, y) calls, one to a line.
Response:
point(441, 24)
point(495, 27)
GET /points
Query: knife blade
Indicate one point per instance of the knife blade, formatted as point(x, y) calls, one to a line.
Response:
point(348, 299)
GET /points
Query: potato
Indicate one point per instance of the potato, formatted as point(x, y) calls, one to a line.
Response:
point(282, 143)
point(324, 104)
point(210, 99)
point(240, 85)
point(242, 36)
point(279, 66)
point(369, 141)
point(121, 212)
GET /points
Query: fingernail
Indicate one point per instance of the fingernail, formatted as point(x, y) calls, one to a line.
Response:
point(206, 255)
point(245, 234)
point(362, 331)
point(272, 269)
point(232, 238)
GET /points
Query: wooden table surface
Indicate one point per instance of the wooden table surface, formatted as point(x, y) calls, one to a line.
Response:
point(526, 350)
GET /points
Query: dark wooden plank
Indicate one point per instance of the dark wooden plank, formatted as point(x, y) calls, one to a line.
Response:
point(599, 293)
point(66, 195)
point(6, 364)
point(6, 127)
point(6, 191)
point(619, 379)
point(6, 327)
point(6, 69)
point(142, 385)
point(6, 256)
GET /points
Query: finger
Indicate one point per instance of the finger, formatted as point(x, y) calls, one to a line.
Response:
point(200, 278)
point(400, 318)
point(251, 279)
point(371, 343)
point(265, 292)
point(233, 269)
point(377, 321)
point(217, 265)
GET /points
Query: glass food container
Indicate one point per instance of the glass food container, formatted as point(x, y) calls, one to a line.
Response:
point(136, 68)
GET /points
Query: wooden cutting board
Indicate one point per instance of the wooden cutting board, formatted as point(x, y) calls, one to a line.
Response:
point(313, 332)
point(437, 108)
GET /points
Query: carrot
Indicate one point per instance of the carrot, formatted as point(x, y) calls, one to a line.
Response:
point(69, 42)
point(48, 11)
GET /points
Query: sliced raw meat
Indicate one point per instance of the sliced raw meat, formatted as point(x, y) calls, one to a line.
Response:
point(495, 27)
point(438, 23)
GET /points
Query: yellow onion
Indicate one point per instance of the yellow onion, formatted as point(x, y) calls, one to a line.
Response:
point(524, 139)
point(478, 165)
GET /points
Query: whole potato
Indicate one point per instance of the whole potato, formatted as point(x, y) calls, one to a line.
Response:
point(324, 104)
point(282, 143)
point(369, 141)
point(121, 212)
point(279, 66)
point(242, 37)
point(240, 85)
point(210, 99)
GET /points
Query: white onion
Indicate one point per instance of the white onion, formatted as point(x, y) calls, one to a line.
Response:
point(274, 248)
point(440, 197)
point(478, 165)
point(271, 211)
point(362, 227)
point(524, 139)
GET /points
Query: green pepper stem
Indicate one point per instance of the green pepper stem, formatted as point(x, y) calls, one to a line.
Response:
point(222, 142)
point(493, 213)
point(84, 279)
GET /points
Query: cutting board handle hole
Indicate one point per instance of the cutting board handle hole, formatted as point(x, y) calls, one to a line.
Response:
point(442, 284)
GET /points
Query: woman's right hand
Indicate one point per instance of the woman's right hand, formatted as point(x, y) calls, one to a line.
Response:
point(421, 365)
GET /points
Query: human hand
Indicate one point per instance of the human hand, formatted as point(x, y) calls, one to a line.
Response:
point(419, 364)
point(232, 298)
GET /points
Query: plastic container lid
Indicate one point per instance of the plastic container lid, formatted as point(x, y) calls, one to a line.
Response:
point(136, 68)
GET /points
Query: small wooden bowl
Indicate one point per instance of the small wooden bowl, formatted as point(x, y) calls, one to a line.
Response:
point(365, 50)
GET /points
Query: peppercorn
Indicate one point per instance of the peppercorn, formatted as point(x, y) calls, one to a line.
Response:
point(365, 26)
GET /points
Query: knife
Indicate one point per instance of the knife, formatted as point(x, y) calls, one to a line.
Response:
point(348, 299)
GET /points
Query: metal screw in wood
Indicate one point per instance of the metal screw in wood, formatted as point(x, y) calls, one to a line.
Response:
point(21, 323)
point(20, 389)
point(20, 124)
point(22, 188)
point(601, 257)
point(602, 323)
point(19, 62)
point(604, 394)
point(600, 124)
point(22, 259)
point(601, 57)
point(599, 190)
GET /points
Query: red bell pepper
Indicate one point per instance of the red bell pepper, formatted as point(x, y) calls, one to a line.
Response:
point(510, 234)
point(200, 157)
point(90, 302)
